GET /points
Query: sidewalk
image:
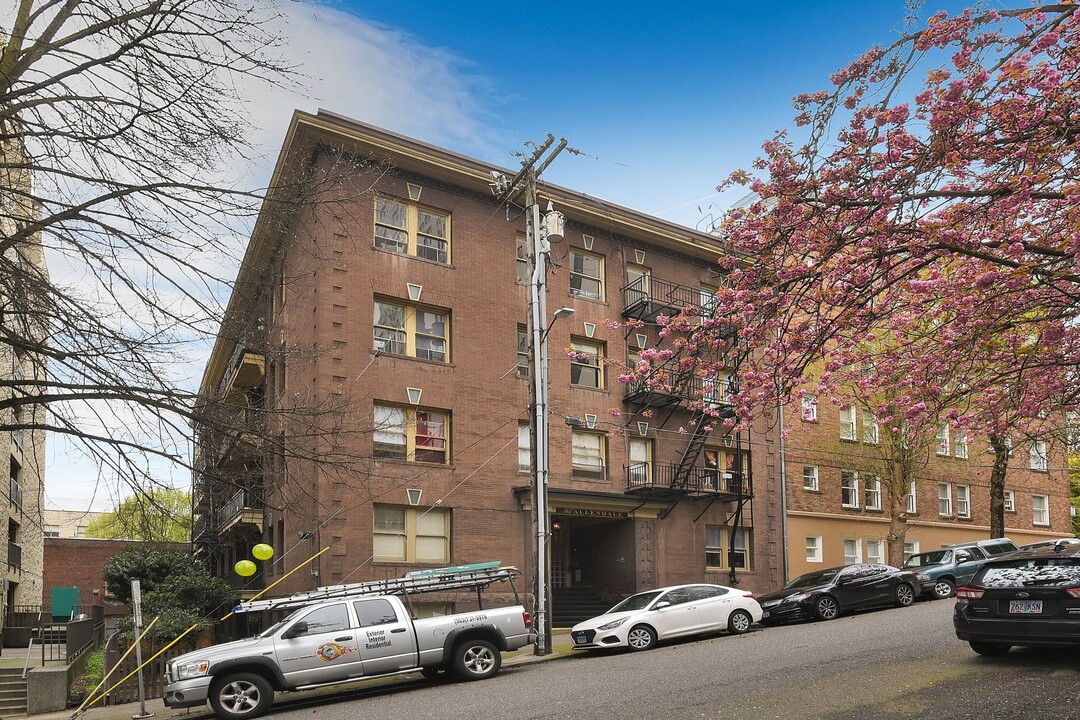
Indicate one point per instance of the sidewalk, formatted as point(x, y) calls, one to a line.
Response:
point(561, 646)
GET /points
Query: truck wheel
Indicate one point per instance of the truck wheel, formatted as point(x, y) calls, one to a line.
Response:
point(476, 660)
point(243, 695)
point(944, 588)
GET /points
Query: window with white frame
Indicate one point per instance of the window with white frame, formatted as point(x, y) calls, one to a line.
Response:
point(963, 501)
point(809, 408)
point(810, 478)
point(638, 284)
point(849, 489)
point(960, 446)
point(813, 548)
point(1040, 510)
point(1038, 457)
point(524, 352)
point(585, 369)
point(415, 434)
point(869, 428)
point(942, 439)
point(852, 551)
point(588, 455)
point(875, 551)
point(848, 417)
point(640, 462)
point(411, 534)
point(912, 500)
point(409, 229)
point(872, 492)
point(586, 275)
point(944, 499)
point(522, 271)
point(910, 548)
point(1010, 501)
point(405, 329)
point(524, 447)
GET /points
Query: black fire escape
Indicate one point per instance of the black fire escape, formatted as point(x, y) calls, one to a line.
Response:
point(678, 383)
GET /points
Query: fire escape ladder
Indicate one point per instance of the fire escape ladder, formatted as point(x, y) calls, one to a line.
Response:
point(691, 452)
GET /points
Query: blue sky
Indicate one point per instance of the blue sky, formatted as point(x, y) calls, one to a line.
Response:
point(663, 101)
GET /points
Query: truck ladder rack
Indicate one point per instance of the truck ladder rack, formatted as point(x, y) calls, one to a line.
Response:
point(475, 576)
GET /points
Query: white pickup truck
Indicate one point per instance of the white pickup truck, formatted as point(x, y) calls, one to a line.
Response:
point(351, 636)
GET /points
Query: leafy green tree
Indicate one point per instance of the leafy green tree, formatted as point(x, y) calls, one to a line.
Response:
point(158, 515)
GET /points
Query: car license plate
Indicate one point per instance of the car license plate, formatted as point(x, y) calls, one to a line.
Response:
point(1025, 607)
point(579, 638)
point(764, 613)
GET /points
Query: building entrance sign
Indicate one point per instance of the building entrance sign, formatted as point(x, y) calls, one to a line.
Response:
point(591, 513)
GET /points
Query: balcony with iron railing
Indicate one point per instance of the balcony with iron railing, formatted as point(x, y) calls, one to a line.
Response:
point(648, 297)
point(244, 509)
point(662, 479)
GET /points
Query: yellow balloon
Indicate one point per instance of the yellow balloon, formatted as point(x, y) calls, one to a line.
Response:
point(245, 568)
point(262, 551)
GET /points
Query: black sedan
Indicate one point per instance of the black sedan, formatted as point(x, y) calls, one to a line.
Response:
point(1027, 598)
point(826, 594)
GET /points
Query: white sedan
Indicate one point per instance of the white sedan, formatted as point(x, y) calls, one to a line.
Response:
point(641, 620)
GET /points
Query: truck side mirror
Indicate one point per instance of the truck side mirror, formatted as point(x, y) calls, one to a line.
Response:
point(296, 630)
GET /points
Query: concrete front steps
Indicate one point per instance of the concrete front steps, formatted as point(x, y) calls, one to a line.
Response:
point(12, 693)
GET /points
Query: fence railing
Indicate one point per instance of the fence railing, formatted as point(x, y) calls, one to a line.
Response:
point(242, 500)
point(153, 673)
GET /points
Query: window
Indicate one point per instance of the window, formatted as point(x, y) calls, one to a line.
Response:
point(960, 447)
point(942, 439)
point(1037, 455)
point(872, 492)
point(707, 300)
point(813, 548)
point(717, 540)
point(849, 489)
point(740, 549)
point(524, 351)
point(80, 531)
point(875, 551)
point(912, 505)
point(640, 462)
point(409, 229)
point(411, 534)
point(637, 284)
point(847, 423)
point(944, 499)
point(714, 546)
point(869, 429)
point(524, 447)
point(910, 548)
point(963, 501)
point(1010, 502)
point(376, 611)
point(585, 370)
point(333, 618)
point(713, 461)
point(586, 275)
point(809, 408)
point(588, 455)
point(1040, 510)
point(402, 329)
point(417, 434)
point(852, 551)
point(810, 477)
point(523, 259)
point(51, 530)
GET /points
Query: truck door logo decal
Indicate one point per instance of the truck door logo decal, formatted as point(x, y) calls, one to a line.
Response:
point(331, 651)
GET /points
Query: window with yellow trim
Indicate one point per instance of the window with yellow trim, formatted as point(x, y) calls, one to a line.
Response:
point(411, 534)
point(585, 367)
point(413, 434)
point(412, 330)
point(410, 229)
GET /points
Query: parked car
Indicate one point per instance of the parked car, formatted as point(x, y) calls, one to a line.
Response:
point(940, 571)
point(642, 620)
point(827, 594)
point(1050, 543)
point(1028, 598)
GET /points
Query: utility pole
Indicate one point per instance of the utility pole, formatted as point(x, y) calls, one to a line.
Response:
point(541, 231)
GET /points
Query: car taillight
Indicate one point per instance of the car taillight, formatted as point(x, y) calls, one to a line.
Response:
point(966, 593)
point(751, 595)
point(1073, 592)
point(527, 618)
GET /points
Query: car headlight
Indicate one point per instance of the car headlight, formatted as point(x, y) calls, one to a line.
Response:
point(797, 598)
point(612, 625)
point(188, 670)
point(923, 577)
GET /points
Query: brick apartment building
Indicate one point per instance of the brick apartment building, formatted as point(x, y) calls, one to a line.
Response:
point(391, 296)
point(838, 509)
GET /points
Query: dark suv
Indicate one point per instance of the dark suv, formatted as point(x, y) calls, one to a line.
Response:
point(940, 571)
point(1027, 598)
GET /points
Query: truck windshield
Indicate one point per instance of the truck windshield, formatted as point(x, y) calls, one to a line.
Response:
point(277, 626)
point(636, 602)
